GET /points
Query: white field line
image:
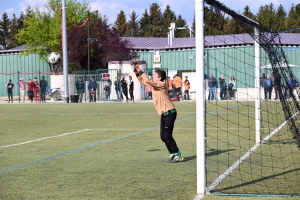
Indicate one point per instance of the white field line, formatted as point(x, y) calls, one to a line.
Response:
point(100, 113)
point(238, 162)
point(45, 138)
point(80, 131)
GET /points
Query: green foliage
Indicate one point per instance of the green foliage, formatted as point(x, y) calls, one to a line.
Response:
point(4, 31)
point(168, 17)
point(145, 24)
point(120, 24)
point(155, 20)
point(41, 34)
point(132, 29)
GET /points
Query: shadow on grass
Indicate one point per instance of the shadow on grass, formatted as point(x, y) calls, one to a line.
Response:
point(186, 159)
point(214, 152)
point(257, 180)
point(154, 150)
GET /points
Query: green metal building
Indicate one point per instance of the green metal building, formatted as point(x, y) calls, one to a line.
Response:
point(225, 54)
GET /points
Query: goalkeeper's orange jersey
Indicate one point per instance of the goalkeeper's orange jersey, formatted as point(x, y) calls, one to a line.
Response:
point(161, 100)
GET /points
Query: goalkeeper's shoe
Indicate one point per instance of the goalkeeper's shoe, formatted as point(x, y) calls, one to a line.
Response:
point(172, 156)
point(177, 159)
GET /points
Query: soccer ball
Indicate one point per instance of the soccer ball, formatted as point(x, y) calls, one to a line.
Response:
point(54, 58)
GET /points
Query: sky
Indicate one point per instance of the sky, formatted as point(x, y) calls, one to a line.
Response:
point(112, 7)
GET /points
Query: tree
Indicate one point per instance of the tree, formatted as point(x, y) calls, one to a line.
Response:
point(105, 45)
point(168, 17)
point(266, 16)
point(234, 27)
point(280, 24)
point(194, 26)
point(293, 20)
point(133, 29)
point(155, 20)
point(46, 27)
point(144, 24)
point(215, 22)
point(4, 31)
point(181, 23)
point(120, 24)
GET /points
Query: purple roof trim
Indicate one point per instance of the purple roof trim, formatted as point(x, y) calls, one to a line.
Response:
point(210, 41)
point(146, 43)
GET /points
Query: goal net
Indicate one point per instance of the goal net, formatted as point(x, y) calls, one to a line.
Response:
point(252, 125)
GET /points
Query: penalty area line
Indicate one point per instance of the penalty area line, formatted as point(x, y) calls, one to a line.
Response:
point(45, 138)
point(246, 155)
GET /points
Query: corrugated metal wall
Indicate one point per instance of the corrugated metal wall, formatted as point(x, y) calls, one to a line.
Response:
point(231, 61)
point(14, 66)
point(236, 61)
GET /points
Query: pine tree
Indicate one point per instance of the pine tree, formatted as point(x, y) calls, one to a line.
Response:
point(155, 20)
point(280, 24)
point(266, 16)
point(133, 26)
point(293, 20)
point(181, 23)
point(194, 26)
point(120, 24)
point(4, 31)
point(13, 32)
point(144, 24)
point(168, 17)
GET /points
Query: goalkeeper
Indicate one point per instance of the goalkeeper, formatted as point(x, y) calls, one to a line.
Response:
point(164, 108)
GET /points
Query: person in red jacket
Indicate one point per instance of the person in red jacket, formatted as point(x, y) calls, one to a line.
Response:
point(31, 86)
point(36, 90)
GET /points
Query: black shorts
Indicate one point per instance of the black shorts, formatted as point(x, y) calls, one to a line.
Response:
point(178, 91)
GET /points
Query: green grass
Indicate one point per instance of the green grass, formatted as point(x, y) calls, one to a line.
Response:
point(114, 151)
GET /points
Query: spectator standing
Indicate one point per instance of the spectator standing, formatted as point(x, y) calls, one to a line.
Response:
point(92, 87)
point(10, 87)
point(170, 87)
point(21, 83)
point(231, 86)
point(178, 83)
point(277, 82)
point(36, 90)
point(80, 87)
point(267, 87)
point(118, 86)
point(149, 92)
point(292, 83)
point(262, 78)
point(43, 86)
point(124, 88)
point(212, 87)
point(30, 92)
point(222, 87)
point(131, 88)
point(107, 89)
point(186, 84)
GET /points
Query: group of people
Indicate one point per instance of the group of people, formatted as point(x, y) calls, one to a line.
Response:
point(35, 90)
point(122, 87)
point(92, 88)
point(212, 83)
point(273, 81)
point(175, 85)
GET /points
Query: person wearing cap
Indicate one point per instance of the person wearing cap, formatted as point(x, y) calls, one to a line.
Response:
point(10, 87)
point(21, 83)
point(80, 87)
point(43, 86)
